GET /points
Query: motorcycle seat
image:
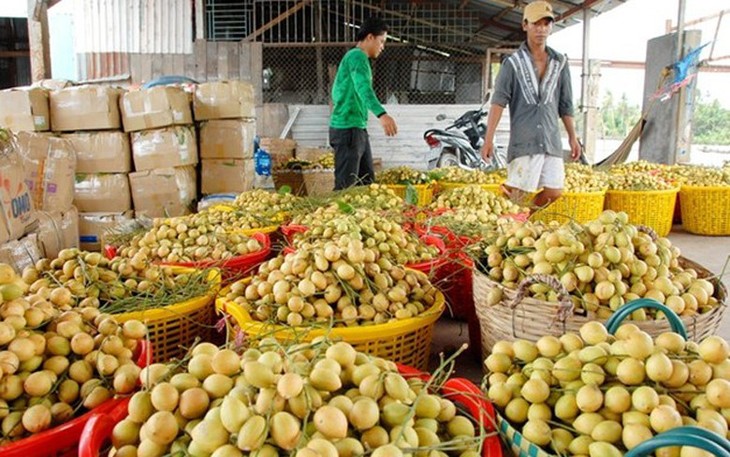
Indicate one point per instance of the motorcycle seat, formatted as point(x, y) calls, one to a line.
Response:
point(452, 133)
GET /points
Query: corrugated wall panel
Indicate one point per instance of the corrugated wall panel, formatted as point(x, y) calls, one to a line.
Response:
point(134, 26)
point(406, 148)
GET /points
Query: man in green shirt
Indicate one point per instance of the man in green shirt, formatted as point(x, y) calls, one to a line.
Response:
point(353, 97)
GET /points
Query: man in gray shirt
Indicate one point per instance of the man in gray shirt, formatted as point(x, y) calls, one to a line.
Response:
point(535, 83)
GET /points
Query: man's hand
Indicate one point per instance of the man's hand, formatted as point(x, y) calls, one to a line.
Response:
point(575, 149)
point(487, 150)
point(389, 126)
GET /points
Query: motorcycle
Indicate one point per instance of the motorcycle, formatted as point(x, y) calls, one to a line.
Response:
point(460, 143)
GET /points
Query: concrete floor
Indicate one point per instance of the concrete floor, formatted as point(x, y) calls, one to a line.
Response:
point(710, 252)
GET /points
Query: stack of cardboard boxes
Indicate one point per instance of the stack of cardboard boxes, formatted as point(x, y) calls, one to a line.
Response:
point(88, 119)
point(164, 150)
point(37, 176)
point(225, 112)
point(117, 155)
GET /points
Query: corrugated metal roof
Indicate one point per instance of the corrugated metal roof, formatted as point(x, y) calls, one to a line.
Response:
point(133, 26)
point(501, 20)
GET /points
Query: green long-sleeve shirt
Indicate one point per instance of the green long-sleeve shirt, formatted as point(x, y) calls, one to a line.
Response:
point(352, 92)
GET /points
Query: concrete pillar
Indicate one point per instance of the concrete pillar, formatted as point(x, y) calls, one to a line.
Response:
point(666, 137)
point(590, 110)
point(40, 49)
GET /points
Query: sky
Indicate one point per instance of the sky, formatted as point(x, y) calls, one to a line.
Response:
point(623, 32)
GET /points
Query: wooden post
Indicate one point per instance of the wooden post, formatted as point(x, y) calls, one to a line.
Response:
point(40, 49)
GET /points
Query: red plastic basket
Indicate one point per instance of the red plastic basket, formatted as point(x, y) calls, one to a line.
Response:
point(289, 231)
point(238, 266)
point(469, 396)
point(63, 440)
point(99, 427)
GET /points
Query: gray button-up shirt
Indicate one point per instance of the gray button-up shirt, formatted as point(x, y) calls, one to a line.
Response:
point(535, 105)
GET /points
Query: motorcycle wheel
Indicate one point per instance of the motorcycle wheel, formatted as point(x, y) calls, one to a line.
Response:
point(448, 159)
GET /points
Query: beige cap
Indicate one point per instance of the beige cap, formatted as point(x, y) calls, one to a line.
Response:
point(538, 10)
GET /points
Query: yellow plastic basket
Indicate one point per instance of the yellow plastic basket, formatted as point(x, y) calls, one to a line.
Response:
point(705, 210)
point(248, 232)
point(406, 341)
point(173, 329)
point(581, 207)
point(424, 192)
point(446, 186)
point(654, 208)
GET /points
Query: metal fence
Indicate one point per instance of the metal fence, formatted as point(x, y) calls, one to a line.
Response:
point(404, 74)
point(434, 54)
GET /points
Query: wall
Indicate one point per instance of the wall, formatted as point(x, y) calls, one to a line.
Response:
point(407, 148)
point(663, 141)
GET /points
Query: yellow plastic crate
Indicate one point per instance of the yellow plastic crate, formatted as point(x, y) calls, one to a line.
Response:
point(580, 207)
point(406, 341)
point(705, 210)
point(173, 329)
point(446, 186)
point(653, 208)
point(424, 192)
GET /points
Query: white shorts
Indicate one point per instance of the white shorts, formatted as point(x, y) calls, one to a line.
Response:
point(530, 173)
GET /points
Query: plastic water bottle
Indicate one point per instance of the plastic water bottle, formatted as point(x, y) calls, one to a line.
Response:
point(262, 166)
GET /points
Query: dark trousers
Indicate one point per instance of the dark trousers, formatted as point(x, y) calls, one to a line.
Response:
point(353, 157)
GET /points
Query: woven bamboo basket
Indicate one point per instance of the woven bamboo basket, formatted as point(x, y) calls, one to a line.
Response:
point(580, 207)
point(319, 181)
point(292, 178)
point(705, 210)
point(311, 154)
point(519, 317)
point(653, 208)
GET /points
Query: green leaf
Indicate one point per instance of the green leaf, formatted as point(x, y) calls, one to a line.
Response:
point(411, 195)
point(283, 190)
point(436, 175)
point(345, 207)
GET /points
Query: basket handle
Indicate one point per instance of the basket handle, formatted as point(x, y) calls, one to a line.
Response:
point(683, 436)
point(615, 320)
point(649, 231)
point(566, 305)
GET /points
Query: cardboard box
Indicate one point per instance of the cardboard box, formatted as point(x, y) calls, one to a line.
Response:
point(24, 109)
point(159, 106)
point(92, 227)
point(227, 175)
point(227, 139)
point(164, 192)
point(85, 108)
point(18, 213)
point(101, 152)
point(57, 230)
point(224, 100)
point(102, 193)
point(49, 165)
point(166, 147)
point(21, 253)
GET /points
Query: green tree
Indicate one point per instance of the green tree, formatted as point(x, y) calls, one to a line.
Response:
point(618, 117)
point(710, 123)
